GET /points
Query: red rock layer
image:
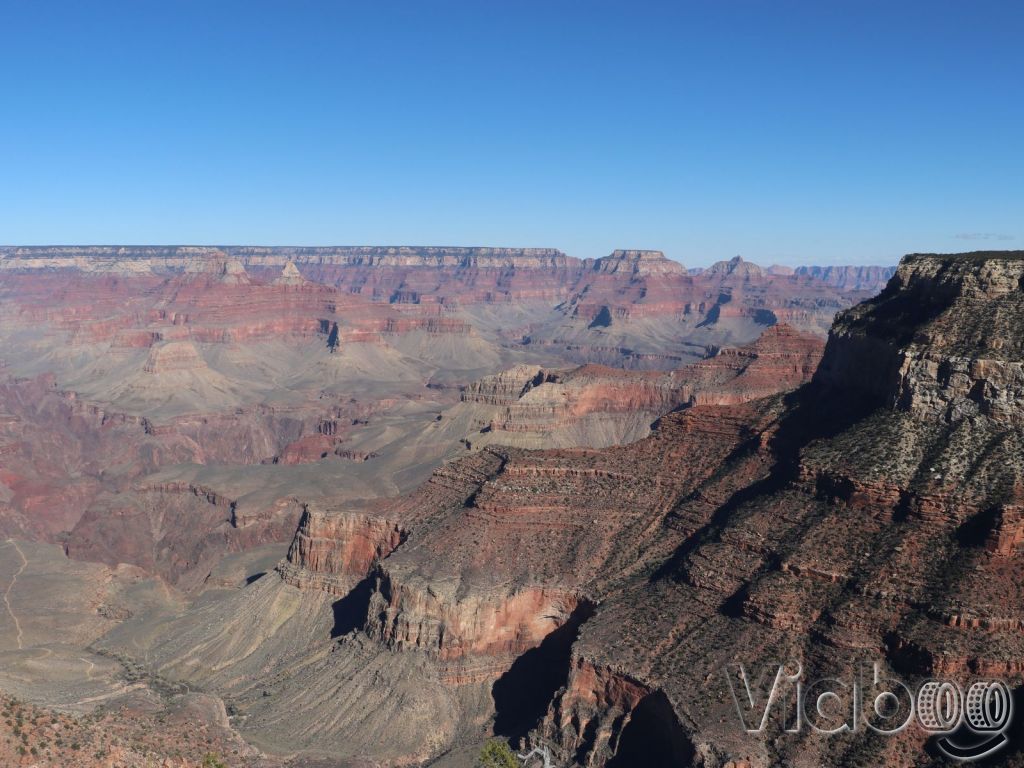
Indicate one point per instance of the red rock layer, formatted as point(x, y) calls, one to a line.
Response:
point(866, 518)
point(536, 400)
point(625, 285)
point(333, 551)
point(888, 536)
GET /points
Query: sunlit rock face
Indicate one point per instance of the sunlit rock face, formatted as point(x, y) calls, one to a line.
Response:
point(382, 410)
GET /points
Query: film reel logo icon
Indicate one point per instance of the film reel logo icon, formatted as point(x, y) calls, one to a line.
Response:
point(940, 706)
point(984, 712)
point(989, 706)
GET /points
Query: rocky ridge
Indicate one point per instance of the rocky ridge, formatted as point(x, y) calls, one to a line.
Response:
point(597, 406)
point(627, 283)
point(850, 277)
point(592, 599)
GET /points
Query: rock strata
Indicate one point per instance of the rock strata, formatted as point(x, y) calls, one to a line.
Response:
point(872, 515)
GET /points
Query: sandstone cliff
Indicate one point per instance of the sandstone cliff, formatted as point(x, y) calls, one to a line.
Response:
point(928, 344)
point(883, 528)
point(591, 600)
point(597, 406)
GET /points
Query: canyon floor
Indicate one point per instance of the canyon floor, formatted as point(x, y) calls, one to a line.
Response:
point(371, 507)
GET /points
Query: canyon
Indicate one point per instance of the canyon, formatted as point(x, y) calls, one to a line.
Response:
point(143, 387)
point(590, 600)
point(381, 504)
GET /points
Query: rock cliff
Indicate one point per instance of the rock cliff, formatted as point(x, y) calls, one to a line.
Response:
point(597, 406)
point(926, 344)
point(593, 600)
point(883, 529)
point(851, 278)
point(638, 263)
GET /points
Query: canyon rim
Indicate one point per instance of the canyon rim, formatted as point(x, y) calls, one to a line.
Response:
point(329, 508)
point(535, 384)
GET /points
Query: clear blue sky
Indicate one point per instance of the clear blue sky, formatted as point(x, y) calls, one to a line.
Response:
point(797, 132)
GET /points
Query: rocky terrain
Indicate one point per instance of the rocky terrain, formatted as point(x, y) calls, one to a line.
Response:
point(597, 406)
point(592, 600)
point(631, 308)
point(381, 504)
point(141, 387)
point(135, 734)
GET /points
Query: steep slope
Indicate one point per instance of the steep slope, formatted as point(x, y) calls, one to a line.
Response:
point(884, 529)
point(594, 600)
point(419, 609)
point(596, 406)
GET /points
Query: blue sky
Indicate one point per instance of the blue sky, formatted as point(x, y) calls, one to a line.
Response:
point(794, 132)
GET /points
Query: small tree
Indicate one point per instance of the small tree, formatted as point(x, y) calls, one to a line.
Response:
point(497, 754)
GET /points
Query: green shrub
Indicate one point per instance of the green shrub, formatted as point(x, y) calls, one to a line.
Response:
point(497, 754)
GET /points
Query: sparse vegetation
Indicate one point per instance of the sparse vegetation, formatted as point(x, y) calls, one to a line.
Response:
point(118, 736)
point(497, 754)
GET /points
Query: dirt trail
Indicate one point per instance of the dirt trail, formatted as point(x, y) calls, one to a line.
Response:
point(7, 592)
point(89, 669)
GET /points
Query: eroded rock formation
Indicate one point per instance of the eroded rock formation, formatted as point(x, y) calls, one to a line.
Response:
point(598, 406)
point(872, 515)
point(869, 279)
point(209, 401)
point(577, 301)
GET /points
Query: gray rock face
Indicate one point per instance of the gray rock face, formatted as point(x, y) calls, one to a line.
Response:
point(735, 266)
point(850, 278)
point(942, 341)
point(638, 263)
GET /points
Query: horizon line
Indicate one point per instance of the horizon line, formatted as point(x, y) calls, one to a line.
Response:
point(701, 264)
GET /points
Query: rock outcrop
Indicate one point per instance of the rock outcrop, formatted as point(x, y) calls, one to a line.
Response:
point(593, 600)
point(173, 356)
point(233, 273)
point(334, 550)
point(926, 344)
point(850, 278)
point(597, 406)
point(290, 275)
point(735, 267)
point(638, 263)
